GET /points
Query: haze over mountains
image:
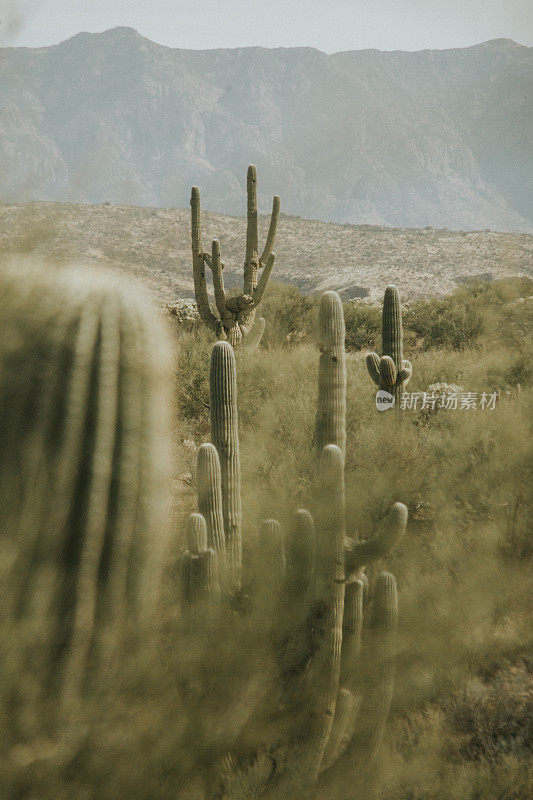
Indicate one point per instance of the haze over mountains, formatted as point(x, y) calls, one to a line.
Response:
point(441, 138)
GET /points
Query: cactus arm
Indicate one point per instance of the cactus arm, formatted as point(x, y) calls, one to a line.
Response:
point(346, 709)
point(200, 590)
point(348, 702)
point(271, 547)
point(218, 285)
point(225, 437)
point(405, 373)
point(271, 236)
point(372, 365)
point(198, 265)
point(210, 495)
point(196, 533)
point(373, 711)
point(251, 260)
point(263, 280)
point(330, 424)
point(300, 553)
point(329, 601)
point(253, 340)
point(362, 576)
point(387, 370)
point(352, 626)
point(196, 227)
point(380, 668)
point(360, 553)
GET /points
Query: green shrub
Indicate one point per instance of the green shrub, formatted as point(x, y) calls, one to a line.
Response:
point(478, 308)
point(363, 326)
point(289, 314)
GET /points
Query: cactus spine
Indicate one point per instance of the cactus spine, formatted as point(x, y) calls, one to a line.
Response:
point(236, 315)
point(85, 462)
point(391, 372)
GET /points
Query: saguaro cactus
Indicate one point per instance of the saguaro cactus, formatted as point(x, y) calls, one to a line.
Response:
point(85, 463)
point(391, 372)
point(235, 314)
point(326, 702)
point(225, 438)
point(331, 409)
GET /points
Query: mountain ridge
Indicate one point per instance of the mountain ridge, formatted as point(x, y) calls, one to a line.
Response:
point(127, 29)
point(408, 138)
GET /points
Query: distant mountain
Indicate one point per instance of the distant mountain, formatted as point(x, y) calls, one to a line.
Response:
point(437, 137)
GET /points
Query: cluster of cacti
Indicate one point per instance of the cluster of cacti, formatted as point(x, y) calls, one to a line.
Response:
point(236, 315)
point(391, 372)
point(322, 714)
point(85, 465)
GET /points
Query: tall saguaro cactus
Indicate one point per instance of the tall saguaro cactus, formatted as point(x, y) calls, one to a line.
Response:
point(85, 464)
point(331, 409)
point(225, 438)
point(236, 315)
point(391, 372)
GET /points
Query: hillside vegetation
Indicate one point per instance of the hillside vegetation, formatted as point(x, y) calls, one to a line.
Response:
point(153, 245)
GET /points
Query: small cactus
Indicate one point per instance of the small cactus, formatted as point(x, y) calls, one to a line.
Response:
point(196, 534)
point(391, 372)
point(236, 315)
point(210, 495)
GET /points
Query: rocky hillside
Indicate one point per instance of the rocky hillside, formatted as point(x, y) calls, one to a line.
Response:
point(359, 261)
point(390, 138)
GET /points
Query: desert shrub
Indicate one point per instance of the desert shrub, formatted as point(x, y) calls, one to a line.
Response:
point(458, 320)
point(363, 326)
point(191, 379)
point(289, 314)
point(445, 322)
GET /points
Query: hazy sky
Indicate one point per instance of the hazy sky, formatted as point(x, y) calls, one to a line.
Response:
point(329, 25)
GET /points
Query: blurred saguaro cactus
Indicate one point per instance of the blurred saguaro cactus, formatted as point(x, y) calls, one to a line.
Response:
point(391, 372)
point(327, 698)
point(236, 315)
point(85, 466)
